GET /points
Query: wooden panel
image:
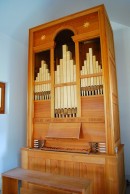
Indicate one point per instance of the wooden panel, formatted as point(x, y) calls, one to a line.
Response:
point(54, 165)
point(115, 173)
point(33, 190)
point(63, 156)
point(24, 163)
point(68, 168)
point(112, 176)
point(116, 122)
point(9, 185)
point(85, 170)
point(24, 158)
point(30, 191)
point(121, 172)
point(93, 132)
point(37, 164)
point(79, 25)
point(99, 179)
point(113, 78)
point(90, 166)
point(64, 130)
point(40, 130)
point(103, 170)
point(42, 109)
point(92, 106)
point(114, 102)
point(109, 33)
point(96, 174)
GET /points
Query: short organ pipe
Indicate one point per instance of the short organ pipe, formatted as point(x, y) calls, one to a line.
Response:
point(91, 76)
point(42, 86)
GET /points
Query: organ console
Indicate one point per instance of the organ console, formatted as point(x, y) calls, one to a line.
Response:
point(73, 116)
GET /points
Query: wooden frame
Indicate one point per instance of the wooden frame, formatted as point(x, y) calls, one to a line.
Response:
point(2, 97)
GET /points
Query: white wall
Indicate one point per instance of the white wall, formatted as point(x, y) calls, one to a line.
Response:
point(13, 71)
point(122, 49)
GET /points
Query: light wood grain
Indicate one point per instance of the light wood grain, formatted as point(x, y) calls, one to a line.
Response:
point(64, 130)
point(63, 183)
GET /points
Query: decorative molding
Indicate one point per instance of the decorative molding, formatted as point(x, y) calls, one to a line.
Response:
point(86, 24)
point(43, 37)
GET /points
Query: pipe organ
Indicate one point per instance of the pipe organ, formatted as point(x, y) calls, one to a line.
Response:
point(73, 114)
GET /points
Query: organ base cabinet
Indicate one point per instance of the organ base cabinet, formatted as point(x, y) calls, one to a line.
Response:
point(73, 115)
point(106, 172)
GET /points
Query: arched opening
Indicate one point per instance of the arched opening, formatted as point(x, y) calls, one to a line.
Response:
point(65, 75)
point(64, 37)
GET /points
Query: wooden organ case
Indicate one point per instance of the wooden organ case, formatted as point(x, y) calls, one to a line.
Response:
point(73, 115)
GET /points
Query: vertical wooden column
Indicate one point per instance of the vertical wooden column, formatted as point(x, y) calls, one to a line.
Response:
point(77, 78)
point(115, 177)
point(52, 79)
point(107, 85)
point(30, 96)
point(24, 164)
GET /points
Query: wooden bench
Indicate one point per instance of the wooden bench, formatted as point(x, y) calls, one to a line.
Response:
point(60, 184)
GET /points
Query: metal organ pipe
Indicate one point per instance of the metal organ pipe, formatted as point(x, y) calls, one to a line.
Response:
point(92, 84)
point(42, 87)
point(65, 90)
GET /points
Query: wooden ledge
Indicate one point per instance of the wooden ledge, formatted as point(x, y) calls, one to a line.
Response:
point(65, 183)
